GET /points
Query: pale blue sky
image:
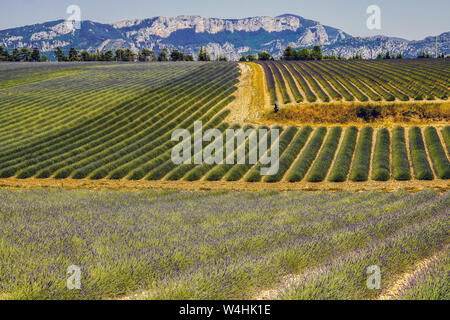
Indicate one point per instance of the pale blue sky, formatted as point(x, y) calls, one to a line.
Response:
point(410, 19)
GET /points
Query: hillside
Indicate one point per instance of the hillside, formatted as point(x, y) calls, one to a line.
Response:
point(370, 47)
point(115, 121)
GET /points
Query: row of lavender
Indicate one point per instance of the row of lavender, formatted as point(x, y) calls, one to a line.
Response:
point(215, 245)
point(327, 81)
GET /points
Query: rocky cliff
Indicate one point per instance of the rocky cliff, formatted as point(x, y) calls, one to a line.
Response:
point(229, 37)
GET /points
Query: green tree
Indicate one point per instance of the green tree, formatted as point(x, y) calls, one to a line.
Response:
point(36, 55)
point(316, 53)
point(144, 55)
point(4, 55)
point(242, 59)
point(25, 55)
point(264, 56)
point(163, 55)
point(85, 56)
point(188, 57)
point(289, 54)
point(128, 55)
point(44, 58)
point(388, 55)
point(250, 58)
point(303, 54)
point(73, 54)
point(222, 58)
point(203, 55)
point(424, 55)
point(119, 54)
point(176, 55)
point(107, 56)
point(97, 56)
point(60, 55)
point(15, 55)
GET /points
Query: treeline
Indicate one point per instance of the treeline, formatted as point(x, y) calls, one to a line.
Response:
point(426, 55)
point(262, 56)
point(303, 54)
point(144, 55)
point(22, 55)
point(288, 54)
point(387, 56)
point(73, 55)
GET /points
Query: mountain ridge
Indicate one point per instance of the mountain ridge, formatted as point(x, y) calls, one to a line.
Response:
point(221, 37)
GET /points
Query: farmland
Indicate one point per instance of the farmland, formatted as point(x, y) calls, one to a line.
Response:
point(114, 121)
point(219, 245)
point(359, 81)
point(70, 132)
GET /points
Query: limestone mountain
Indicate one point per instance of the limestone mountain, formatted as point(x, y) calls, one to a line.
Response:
point(221, 37)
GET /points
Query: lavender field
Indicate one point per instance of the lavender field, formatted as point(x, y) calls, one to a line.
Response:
point(220, 245)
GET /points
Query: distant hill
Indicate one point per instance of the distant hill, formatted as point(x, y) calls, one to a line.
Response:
point(370, 47)
point(228, 37)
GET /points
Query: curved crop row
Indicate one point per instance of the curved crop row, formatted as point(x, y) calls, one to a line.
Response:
point(438, 156)
point(310, 96)
point(280, 81)
point(400, 162)
point(343, 161)
point(297, 95)
point(309, 153)
point(291, 153)
point(321, 166)
point(381, 161)
point(270, 82)
point(419, 158)
point(361, 163)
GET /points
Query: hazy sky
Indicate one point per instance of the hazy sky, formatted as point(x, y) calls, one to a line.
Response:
point(410, 19)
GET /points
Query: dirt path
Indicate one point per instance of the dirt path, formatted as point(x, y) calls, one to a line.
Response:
point(124, 184)
point(252, 96)
point(240, 106)
point(287, 282)
point(372, 152)
point(404, 281)
point(408, 154)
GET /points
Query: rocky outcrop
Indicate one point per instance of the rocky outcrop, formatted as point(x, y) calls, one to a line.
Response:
point(370, 47)
point(221, 37)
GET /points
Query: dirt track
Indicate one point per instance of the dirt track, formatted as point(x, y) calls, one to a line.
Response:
point(413, 185)
point(251, 97)
point(404, 281)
